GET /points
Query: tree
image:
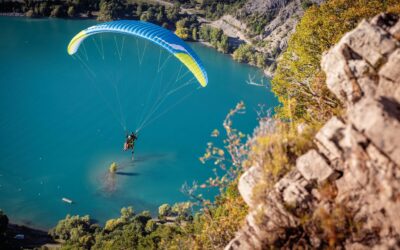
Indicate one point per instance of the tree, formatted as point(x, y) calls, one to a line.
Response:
point(160, 17)
point(215, 36)
point(182, 210)
point(183, 33)
point(145, 17)
point(127, 213)
point(223, 45)
point(194, 34)
point(112, 224)
point(111, 10)
point(44, 9)
point(164, 210)
point(76, 231)
point(261, 60)
point(151, 14)
point(30, 13)
point(3, 223)
point(183, 23)
point(205, 33)
point(58, 11)
point(243, 53)
point(151, 226)
point(139, 10)
point(71, 11)
point(173, 14)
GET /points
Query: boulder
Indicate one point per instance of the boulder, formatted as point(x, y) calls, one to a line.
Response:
point(314, 167)
point(327, 140)
point(380, 122)
point(372, 43)
point(247, 181)
point(390, 70)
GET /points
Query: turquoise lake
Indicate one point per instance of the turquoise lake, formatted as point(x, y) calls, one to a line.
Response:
point(63, 120)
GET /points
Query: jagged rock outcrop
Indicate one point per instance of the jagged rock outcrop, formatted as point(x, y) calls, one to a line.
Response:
point(233, 28)
point(357, 154)
point(283, 15)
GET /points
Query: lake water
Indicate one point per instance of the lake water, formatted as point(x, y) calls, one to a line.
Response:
point(62, 120)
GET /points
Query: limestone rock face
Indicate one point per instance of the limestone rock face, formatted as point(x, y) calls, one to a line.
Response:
point(359, 153)
point(327, 140)
point(284, 15)
point(247, 182)
point(314, 167)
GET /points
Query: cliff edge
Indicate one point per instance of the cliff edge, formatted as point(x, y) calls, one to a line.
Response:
point(348, 187)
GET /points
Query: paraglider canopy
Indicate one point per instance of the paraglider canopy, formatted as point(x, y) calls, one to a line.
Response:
point(156, 34)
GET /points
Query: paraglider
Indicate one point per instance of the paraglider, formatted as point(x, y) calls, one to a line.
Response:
point(154, 33)
point(165, 40)
point(130, 143)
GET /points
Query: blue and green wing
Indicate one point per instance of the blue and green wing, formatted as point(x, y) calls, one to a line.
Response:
point(156, 34)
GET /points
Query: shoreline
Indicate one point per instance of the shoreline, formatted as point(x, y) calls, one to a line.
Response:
point(78, 17)
point(264, 71)
point(32, 237)
point(16, 14)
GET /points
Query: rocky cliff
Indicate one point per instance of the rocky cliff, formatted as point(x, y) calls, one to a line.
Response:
point(350, 183)
point(282, 17)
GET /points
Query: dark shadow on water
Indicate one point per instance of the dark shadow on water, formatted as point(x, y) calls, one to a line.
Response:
point(33, 238)
point(109, 180)
point(94, 221)
point(145, 158)
point(151, 157)
point(127, 173)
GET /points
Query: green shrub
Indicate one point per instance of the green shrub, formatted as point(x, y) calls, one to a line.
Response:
point(164, 210)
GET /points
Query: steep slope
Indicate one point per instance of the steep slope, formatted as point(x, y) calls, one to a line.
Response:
point(266, 24)
point(281, 19)
point(345, 192)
